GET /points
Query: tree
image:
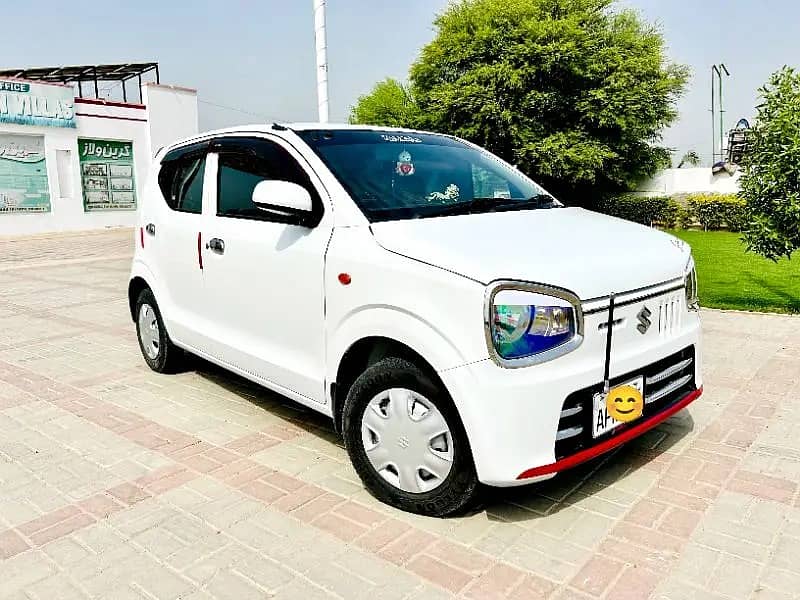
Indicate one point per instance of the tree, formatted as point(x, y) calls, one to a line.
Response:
point(771, 178)
point(389, 103)
point(572, 92)
point(691, 158)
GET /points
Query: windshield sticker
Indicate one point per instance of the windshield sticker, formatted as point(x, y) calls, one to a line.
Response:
point(404, 165)
point(405, 139)
point(451, 194)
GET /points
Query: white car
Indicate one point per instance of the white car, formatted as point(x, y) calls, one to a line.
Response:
point(458, 324)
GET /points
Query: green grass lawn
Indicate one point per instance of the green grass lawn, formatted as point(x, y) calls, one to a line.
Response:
point(729, 277)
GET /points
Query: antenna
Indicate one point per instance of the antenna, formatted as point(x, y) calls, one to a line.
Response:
point(320, 36)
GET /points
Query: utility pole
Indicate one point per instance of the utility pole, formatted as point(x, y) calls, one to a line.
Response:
point(320, 35)
point(717, 72)
point(724, 69)
point(714, 72)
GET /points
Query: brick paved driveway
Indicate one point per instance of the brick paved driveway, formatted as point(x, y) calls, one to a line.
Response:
point(119, 483)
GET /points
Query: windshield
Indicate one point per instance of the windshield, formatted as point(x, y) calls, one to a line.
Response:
point(394, 175)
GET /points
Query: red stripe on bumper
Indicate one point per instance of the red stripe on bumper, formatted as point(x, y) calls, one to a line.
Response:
point(610, 444)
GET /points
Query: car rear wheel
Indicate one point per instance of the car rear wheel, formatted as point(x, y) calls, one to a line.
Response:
point(158, 351)
point(406, 440)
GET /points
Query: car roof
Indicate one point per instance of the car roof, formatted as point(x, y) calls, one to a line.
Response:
point(278, 128)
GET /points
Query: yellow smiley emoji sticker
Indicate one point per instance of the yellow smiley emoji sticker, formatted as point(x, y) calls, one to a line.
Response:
point(625, 403)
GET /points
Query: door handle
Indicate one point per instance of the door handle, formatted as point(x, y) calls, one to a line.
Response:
point(216, 245)
point(150, 228)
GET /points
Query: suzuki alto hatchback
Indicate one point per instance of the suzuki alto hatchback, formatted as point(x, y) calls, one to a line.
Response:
point(458, 324)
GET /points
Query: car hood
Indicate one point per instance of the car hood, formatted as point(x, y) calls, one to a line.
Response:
point(590, 254)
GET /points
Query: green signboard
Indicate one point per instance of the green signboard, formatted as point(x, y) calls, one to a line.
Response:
point(107, 175)
point(42, 104)
point(23, 174)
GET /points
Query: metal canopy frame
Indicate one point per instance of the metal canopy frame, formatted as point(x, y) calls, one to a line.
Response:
point(95, 74)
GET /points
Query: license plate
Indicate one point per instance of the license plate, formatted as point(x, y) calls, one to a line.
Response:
point(602, 421)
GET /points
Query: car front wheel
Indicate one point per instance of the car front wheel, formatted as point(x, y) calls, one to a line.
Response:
point(406, 440)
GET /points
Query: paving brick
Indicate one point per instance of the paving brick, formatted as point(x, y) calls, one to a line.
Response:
point(597, 575)
point(461, 557)
point(498, 582)
point(11, 544)
point(680, 522)
point(262, 491)
point(408, 545)
point(439, 573)
point(49, 520)
point(342, 528)
point(61, 529)
point(100, 505)
point(299, 498)
point(129, 493)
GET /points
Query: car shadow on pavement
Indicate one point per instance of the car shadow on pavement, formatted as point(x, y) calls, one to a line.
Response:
point(605, 484)
point(612, 481)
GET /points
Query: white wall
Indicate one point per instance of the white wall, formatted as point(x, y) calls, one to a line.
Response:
point(689, 181)
point(169, 113)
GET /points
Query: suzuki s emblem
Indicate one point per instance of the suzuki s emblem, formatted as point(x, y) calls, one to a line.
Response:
point(644, 320)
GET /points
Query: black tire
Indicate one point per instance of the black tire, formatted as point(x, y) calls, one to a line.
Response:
point(459, 490)
point(169, 357)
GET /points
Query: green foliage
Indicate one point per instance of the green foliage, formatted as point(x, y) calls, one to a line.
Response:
point(656, 210)
point(691, 158)
point(771, 180)
point(715, 211)
point(574, 93)
point(389, 104)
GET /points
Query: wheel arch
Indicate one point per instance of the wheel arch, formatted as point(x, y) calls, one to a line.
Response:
point(135, 287)
point(361, 354)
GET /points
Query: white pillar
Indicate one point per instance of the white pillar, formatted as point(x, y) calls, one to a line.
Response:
point(322, 59)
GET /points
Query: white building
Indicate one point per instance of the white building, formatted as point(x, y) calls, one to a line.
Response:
point(672, 182)
point(68, 162)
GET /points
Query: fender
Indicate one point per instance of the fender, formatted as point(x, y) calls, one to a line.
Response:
point(398, 324)
point(140, 269)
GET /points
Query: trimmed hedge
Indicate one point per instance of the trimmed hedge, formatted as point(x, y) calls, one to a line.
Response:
point(709, 211)
point(655, 210)
point(715, 211)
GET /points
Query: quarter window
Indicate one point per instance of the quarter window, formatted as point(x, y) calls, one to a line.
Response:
point(181, 182)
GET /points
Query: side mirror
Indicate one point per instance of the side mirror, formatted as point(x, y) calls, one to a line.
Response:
point(283, 197)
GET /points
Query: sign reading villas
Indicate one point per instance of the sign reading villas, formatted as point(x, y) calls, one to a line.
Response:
point(29, 103)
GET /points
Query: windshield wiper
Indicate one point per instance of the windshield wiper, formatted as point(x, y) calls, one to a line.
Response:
point(498, 204)
point(544, 201)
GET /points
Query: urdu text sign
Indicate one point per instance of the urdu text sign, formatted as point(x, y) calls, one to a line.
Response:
point(107, 174)
point(29, 103)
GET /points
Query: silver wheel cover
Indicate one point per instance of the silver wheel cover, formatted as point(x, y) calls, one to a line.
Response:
point(407, 440)
point(148, 331)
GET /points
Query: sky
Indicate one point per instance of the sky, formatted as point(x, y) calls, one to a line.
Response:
point(254, 60)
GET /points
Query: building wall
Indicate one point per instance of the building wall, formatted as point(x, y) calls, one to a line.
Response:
point(672, 182)
point(169, 117)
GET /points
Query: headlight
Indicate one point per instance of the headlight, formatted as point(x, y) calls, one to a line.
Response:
point(690, 280)
point(528, 324)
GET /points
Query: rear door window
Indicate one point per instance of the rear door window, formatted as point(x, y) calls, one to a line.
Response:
point(181, 179)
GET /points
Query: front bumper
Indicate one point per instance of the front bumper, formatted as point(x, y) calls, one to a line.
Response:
point(515, 418)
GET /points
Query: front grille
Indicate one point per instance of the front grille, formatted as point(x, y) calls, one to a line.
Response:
point(670, 310)
point(665, 382)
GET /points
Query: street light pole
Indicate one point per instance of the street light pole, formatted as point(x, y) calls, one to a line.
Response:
point(322, 59)
point(723, 69)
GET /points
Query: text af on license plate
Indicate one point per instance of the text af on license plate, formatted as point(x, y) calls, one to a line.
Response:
point(602, 421)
